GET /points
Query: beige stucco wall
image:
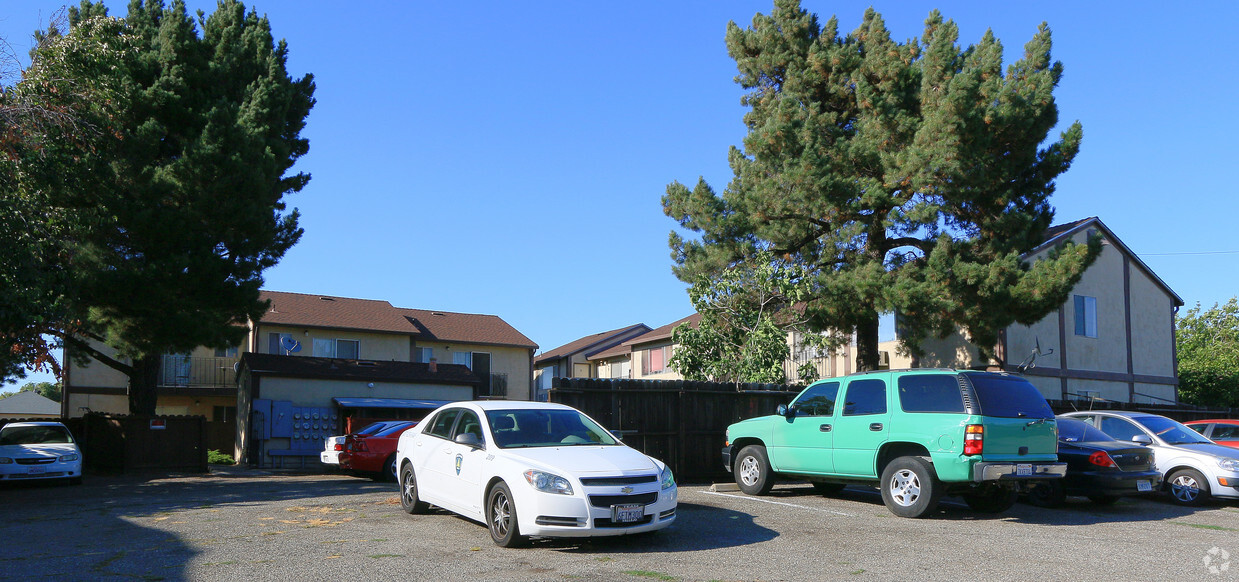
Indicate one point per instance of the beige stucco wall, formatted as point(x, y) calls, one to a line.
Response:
point(193, 405)
point(385, 347)
point(1108, 351)
point(94, 374)
point(638, 355)
point(513, 361)
point(80, 404)
point(1152, 319)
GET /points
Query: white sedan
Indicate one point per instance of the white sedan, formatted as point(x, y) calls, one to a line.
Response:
point(39, 450)
point(532, 469)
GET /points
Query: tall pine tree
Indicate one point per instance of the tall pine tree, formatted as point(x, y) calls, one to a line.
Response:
point(177, 204)
point(904, 177)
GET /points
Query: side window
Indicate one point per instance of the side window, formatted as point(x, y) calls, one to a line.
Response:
point(817, 400)
point(865, 397)
point(442, 424)
point(1201, 428)
point(1225, 431)
point(469, 424)
point(1119, 429)
point(930, 393)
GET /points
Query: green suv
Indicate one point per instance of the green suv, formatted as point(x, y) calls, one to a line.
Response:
point(916, 434)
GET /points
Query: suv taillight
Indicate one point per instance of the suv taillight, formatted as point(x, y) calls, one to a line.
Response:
point(974, 439)
point(1101, 459)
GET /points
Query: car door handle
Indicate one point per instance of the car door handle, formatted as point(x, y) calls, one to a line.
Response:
point(875, 426)
point(824, 428)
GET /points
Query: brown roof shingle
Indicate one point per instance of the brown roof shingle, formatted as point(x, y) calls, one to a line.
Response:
point(464, 327)
point(333, 312)
point(599, 339)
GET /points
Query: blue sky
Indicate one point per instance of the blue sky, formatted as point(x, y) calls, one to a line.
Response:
point(508, 158)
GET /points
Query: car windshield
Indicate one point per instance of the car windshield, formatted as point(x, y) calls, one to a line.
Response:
point(372, 428)
point(1075, 431)
point(35, 435)
point(545, 428)
point(393, 428)
point(1171, 431)
point(1009, 397)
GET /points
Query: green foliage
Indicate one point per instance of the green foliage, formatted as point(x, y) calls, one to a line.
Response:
point(1208, 348)
point(903, 177)
point(746, 314)
point(215, 457)
point(162, 214)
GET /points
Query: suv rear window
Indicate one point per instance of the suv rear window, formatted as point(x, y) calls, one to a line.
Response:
point(1009, 397)
point(930, 393)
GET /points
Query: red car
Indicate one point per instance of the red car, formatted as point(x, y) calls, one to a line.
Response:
point(1223, 431)
point(374, 455)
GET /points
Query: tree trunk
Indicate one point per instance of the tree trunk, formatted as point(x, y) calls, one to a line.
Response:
point(867, 345)
point(142, 383)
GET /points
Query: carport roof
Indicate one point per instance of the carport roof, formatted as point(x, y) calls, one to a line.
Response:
point(389, 403)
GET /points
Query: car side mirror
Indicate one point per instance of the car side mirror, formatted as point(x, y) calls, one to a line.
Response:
point(469, 439)
point(785, 411)
point(1142, 439)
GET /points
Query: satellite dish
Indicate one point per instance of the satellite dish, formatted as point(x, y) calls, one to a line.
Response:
point(288, 344)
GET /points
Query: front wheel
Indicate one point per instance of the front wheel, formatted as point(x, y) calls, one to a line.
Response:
point(389, 470)
point(1188, 487)
point(910, 487)
point(410, 501)
point(753, 470)
point(991, 499)
point(501, 517)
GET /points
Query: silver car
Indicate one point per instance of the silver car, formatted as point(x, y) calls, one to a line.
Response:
point(1193, 467)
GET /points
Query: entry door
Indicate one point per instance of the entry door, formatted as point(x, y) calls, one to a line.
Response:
point(481, 369)
point(861, 427)
point(802, 443)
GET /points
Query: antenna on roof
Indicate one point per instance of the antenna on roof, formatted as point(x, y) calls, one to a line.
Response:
point(1031, 360)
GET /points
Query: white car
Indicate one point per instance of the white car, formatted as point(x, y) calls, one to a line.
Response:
point(39, 450)
point(1193, 467)
point(532, 469)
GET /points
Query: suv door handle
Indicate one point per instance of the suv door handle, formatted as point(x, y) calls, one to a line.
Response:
point(824, 428)
point(875, 426)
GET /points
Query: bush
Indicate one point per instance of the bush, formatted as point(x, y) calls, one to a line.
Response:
point(215, 457)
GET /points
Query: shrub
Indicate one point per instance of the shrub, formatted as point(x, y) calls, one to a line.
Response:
point(215, 457)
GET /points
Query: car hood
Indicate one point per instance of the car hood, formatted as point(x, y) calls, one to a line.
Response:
point(586, 460)
point(45, 450)
point(1208, 449)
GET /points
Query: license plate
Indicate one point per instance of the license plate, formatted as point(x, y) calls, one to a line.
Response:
point(36, 470)
point(1143, 485)
point(627, 513)
point(1023, 470)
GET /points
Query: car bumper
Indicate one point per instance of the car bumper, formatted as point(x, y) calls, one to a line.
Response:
point(988, 471)
point(727, 456)
point(1125, 483)
point(1225, 484)
point(329, 457)
point(562, 516)
point(57, 470)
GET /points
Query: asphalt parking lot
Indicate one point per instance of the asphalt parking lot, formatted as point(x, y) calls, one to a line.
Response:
point(255, 525)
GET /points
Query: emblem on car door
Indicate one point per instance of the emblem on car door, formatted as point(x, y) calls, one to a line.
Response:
point(459, 459)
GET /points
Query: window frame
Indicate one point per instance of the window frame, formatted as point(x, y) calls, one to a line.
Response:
point(1085, 307)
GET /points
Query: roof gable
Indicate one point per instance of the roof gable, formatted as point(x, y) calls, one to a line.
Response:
point(1056, 235)
point(28, 403)
point(665, 331)
point(464, 327)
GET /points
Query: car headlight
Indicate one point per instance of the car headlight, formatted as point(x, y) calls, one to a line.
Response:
point(668, 480)
point(6, 461)
point(1228, 464)
point(548, 482)
point(69, 457)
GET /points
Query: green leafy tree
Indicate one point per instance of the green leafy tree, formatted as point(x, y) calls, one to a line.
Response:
point(49, 390)
point(903, 177)
point(746, 315)
point(176, 203)
point(1208, 348)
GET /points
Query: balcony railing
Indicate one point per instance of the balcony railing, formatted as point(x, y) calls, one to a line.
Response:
point(186, 372)
point(497, 388)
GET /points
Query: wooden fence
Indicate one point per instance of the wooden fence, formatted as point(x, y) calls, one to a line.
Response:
point(679, 422)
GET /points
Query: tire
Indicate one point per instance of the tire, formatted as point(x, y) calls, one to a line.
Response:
point(991, 499)
point(1188, 487)
point(1103, 499)
point(389, 470)
point(753, 470)
point(501, 517)
point(410, 501)
point(1047, 494)
point(828, 488)
point(910, 487)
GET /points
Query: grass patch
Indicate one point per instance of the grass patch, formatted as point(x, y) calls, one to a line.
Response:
point(1204, 526)
point(649, 574)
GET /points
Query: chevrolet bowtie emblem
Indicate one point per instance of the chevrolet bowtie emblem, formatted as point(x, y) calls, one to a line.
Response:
point(626, 490)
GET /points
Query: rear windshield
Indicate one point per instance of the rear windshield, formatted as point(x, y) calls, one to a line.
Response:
point(1009, 397)
point(1076, 431)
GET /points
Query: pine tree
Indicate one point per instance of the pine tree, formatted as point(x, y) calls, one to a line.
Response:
point(904, 177)
point(177, 204)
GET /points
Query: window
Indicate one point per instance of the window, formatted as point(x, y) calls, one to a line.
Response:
point(654, 360)
point(1009, 396)
point(865, 397)
point(226, 352)
point(442, 425)
point(1119, 429)
point(1086, 316)
point(817, 400)
point(337, 348)
point(1225, 431)
point(469, 424)
point(274, 341)
point(423, 355)
point(225, 414)
point(930, 393)
point(324, 348)
point(463, 358)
